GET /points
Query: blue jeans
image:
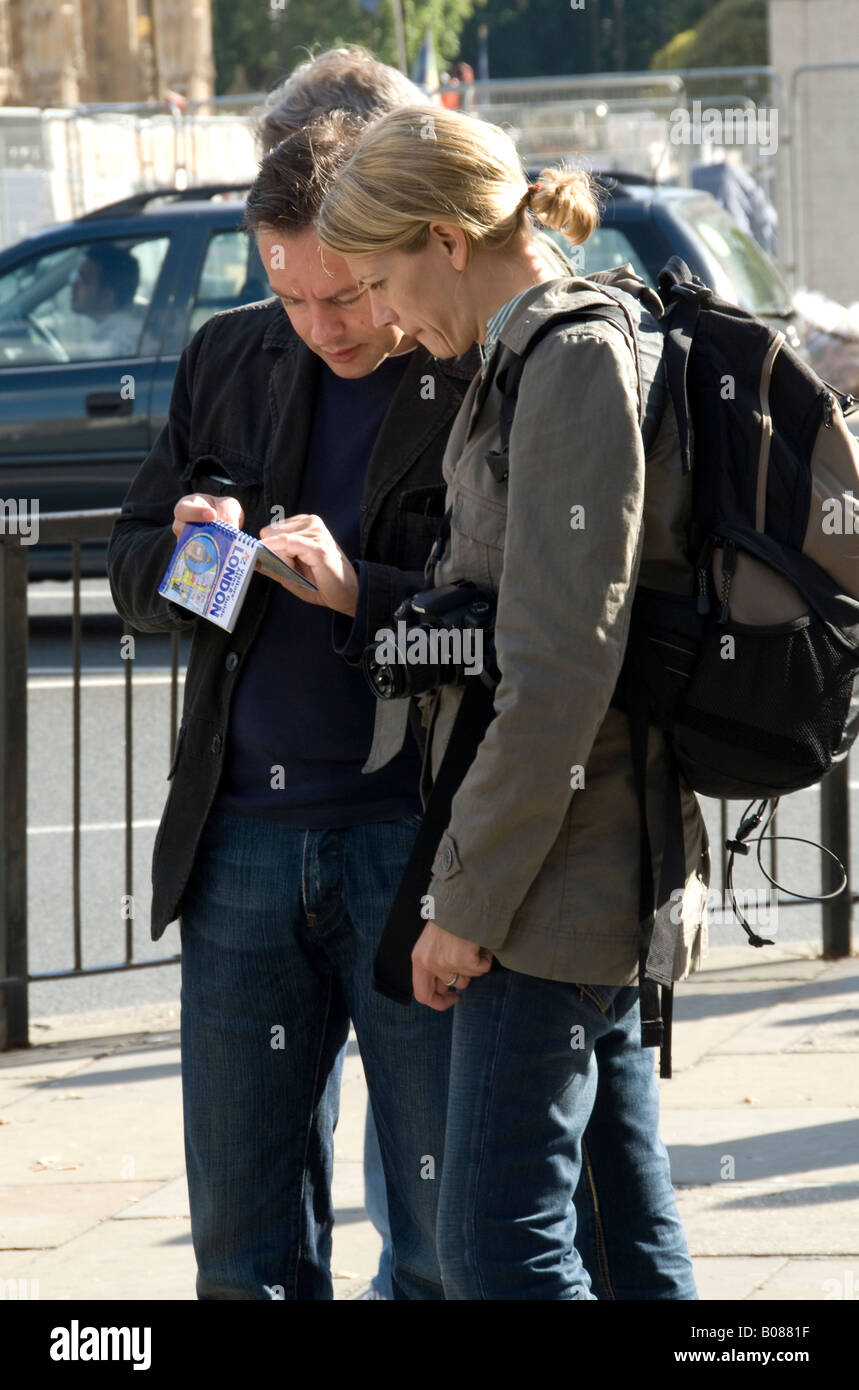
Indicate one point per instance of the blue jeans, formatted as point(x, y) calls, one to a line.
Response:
point(279, 930)
point(533, 1063)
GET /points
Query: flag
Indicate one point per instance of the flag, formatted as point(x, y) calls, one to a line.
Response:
point(425, 71)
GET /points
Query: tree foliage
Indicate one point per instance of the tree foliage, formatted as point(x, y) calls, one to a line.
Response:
point(549, 37)
point(256, 43)
point(676, 52)
point(733, 33)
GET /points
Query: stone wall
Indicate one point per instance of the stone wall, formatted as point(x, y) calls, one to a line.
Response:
point(64, 52)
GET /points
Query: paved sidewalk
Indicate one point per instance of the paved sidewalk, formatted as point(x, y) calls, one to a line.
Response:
point(761, 1119)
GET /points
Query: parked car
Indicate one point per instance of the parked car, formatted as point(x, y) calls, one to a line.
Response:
point(94, 315)
point(646, 223)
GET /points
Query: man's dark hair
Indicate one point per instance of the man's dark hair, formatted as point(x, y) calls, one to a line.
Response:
point(296, 175)
point(118, 270)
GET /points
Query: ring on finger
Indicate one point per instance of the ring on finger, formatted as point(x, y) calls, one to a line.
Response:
point(451, 983)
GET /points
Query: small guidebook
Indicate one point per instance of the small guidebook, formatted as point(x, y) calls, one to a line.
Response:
point(212, 566)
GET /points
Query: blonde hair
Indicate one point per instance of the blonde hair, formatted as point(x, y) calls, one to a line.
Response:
point(423, 164)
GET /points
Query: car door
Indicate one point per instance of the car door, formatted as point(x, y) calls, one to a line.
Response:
point(77, 355)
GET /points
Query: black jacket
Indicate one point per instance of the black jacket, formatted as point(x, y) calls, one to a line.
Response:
point(242, 406)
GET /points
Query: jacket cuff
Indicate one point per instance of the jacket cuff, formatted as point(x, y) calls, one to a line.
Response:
point(459, 906)
point(349, 635)
point(381, 590)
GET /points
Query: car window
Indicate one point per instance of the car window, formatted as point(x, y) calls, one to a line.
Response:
point(231, 275)
point(85, 302)
point(608, 247)
point(757, 285)
point(604, 249)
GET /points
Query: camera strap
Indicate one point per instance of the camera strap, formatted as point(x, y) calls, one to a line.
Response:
point(392, 972)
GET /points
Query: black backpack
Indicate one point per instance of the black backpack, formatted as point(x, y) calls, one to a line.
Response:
point(751, 675)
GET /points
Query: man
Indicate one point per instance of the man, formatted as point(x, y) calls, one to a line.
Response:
point(103, 285)
point(280, 855)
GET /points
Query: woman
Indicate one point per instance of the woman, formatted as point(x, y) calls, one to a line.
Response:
point(535, 887)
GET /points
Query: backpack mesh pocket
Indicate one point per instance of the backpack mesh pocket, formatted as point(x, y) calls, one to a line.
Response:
point(765, 710)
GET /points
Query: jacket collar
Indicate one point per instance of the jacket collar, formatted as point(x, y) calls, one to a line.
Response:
point(424, 403)
point(572, 292)
point(533, 308)
point(541, 302)
point(291, 394)
point(280, 332)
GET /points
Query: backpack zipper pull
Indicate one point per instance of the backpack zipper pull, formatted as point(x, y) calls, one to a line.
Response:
point(704, 555)
point(729, 563)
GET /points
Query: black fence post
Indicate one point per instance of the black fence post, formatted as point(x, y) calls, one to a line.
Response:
point(835, 835)
point(13, 791)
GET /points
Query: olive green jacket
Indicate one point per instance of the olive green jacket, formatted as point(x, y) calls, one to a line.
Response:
point(540, 860)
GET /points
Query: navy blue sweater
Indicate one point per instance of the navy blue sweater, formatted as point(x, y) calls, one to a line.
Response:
point(298, 705)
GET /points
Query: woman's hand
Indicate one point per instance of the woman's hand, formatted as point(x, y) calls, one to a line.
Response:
point(436, 958)
point(306, 543)
point(199, 506)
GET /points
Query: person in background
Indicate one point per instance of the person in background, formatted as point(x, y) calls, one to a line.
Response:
point(103, 286)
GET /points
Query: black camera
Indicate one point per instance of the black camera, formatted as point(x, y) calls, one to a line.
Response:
point(439, 637)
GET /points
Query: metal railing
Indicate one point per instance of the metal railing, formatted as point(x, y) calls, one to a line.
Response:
point(15, 977)
point(74, 529)
point(85, 150)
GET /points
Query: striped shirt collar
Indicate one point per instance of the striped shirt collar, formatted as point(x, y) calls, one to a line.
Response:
point(497, 322)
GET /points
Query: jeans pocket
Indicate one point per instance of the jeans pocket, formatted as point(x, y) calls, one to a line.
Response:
point(600, 995)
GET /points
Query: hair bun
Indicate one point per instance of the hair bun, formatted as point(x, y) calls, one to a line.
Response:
point(564, 199)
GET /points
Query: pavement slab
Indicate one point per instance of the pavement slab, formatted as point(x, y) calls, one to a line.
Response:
point(775, 1081)
point(770, 1219)
point(812, 1281)
point(146, 1260)
point(749, 1143)
point(36, 1217)
point(120, 1117)
point(733, 1278)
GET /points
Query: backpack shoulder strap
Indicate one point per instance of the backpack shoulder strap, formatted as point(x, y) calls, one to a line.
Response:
point(510, 375)
point(682, 293)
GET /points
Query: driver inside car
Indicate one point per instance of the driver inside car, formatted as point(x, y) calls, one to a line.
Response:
point(103, 285)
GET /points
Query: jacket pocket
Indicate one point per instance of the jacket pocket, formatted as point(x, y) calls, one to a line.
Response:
point(600, 995)
point(419, 533)
point(479, 519)
point(226, 463)
point(477, 528)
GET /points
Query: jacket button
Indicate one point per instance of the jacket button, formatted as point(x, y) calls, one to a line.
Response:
point(447, 859)
point(216, 743)
point(232, 661)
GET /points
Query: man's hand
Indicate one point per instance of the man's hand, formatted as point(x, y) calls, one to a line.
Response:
point(437, 957)
point(306, 543)
point(199, 506)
